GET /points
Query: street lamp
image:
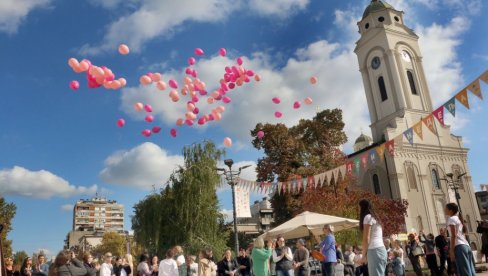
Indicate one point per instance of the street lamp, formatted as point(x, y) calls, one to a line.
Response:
point(229, 175)
point(454, 184)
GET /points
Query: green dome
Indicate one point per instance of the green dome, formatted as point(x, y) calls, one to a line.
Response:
point(376, 5)
point(363, 138)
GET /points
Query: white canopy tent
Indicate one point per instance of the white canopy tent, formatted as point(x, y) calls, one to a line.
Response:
point(309, 222)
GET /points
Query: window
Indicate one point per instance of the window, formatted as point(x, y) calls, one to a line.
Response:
point(397, 19)
point(420, 225)
point(468, 223)
point(435, 179)
point(366, 26)
point(381, 19)
point(412, 180)
point(439, 207)
point(411, 81)
point(382, 87)
point(376, 184)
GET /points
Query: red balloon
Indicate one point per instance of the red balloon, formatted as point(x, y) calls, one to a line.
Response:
point(74, 85)
point(173, 132)
point(156, 129)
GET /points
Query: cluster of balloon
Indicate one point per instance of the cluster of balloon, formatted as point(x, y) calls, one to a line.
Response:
point(96, 76)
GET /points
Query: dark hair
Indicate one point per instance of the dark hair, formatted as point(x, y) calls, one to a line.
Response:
point(277, 245)
point(153, 258)
point(366, 208)
point(144, 257)
point(62, 258)
point(170, 254)
point(118, 258)
point(207, 253)
point(454, 208)
point(86, 256)
point(24, 264)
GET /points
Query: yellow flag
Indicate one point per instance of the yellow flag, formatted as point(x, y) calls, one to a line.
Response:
point(475, 88)
point(381, 151)
point(462, 97)
point(429, 122)
point(417, 128)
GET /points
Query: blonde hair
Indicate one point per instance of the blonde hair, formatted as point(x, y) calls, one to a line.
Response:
point(259, 243)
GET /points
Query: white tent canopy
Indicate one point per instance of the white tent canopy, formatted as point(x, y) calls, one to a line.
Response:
point(308, 222)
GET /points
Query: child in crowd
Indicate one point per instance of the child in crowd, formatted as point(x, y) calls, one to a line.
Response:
point(397, 266)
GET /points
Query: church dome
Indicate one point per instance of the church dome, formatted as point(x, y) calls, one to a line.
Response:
point(376, 5)
point(363, 141)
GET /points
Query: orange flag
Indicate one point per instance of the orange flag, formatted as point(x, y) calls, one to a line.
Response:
point(429, 122)
point(462, 97)
point(484, 77)
point(475, 88)
point(381, 151)
point(390, 147)
point(417, 128)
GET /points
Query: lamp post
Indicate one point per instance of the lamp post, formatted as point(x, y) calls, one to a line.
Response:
point(230, 175)
point(454, 185)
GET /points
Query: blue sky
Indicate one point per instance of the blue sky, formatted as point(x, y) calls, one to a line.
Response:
point(59, 145)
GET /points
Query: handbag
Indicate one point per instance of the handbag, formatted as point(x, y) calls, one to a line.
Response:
point(418, 251)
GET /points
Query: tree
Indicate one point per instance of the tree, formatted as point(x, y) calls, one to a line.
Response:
point(309, 148)
point(186, 212)
point(7, 213)
point(112, 242)
point(19, 257)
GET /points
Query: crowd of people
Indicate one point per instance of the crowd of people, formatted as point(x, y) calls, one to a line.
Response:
point(376, 256)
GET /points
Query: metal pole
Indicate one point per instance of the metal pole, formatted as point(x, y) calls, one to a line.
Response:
point(231, 183)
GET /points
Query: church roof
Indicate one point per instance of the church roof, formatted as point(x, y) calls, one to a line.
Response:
point(363, 138)
point(376, 5)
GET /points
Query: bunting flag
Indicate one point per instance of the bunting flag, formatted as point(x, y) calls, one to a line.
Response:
point(372, 157)
point(390, 147)
point(439, 114)
point(342, 171)
point(475, 88)
point(364, 161)
point(381, 151)
point(398, 142)
point(349, 167)
point(311, 182)
point(451, 106)
point(357, 165)
point(462, 97)
point(484, 77)
point(429, 122)
point(409, 135)
point(305, 183)
point(417, 128)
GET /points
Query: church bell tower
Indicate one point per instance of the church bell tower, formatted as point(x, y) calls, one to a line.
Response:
point(391, 66)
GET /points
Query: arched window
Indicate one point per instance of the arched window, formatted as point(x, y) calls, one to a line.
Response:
point(412, 180)
point(439, 207)
point(468, 223)
point(376, 184)
point(420, 225)
point(411, 81)
point(435, 180)
point(382, 87)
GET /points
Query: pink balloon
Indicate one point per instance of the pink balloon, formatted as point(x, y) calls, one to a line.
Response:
point(201, 121)
point(156, 129)
point(250, 73)
point(138, 106)
point(188, 71)
point(123, 81)
point(226, 100)
point(211, 117)
point(155, 77)
point(260, 134)
point(173, 132)
point(296, 105)
point(199, 52)
point(73, 63)
point(220, 109)
point(74, 85)
point(239, 60)
point(223, 52)
point(210, 100)
point(190, 106)
point(84, 65)
point(257, 77)
point(173, 84)
point(188, 122)
point(145, 80)
point(232, 85)
point(173, 94)
point(191, 60)
point(276, 100)
point(227, 142)
point(180, 122)
point(196, 110)
point(146, 132)
point(308, 101)
point(278, 114)
point(195, 99)
point(120, 122)
point(313, 80)
point(161, 85)
point(148, 108)
point(123, 49)
point(149, 118)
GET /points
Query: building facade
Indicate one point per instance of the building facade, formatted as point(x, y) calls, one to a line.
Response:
point(398, 97)
point(98, 214)
point(260, 221)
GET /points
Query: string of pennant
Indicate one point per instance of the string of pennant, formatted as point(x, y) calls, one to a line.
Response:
point(297, 184)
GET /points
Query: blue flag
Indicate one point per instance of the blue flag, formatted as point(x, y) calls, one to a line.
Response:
point(373, 156)
point(409, 135)
point(451, 106)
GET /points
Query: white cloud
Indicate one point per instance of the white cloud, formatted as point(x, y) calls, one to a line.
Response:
point(14, 12)
point(38, 184)
point(143, 166)
point(228, 214)
point(162, 18)
point(67, 207)
point(439, 44)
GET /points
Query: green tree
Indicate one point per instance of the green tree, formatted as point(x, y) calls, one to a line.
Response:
point(112, 242)
point(7, 213)
point(309, 148)
point(19, 257)
point(186, 212)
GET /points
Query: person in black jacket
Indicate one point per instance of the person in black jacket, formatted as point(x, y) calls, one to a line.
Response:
point(442, 246)
point(66, 264)
point(228, 265)
point(244, 263)
point(89, 265)
point(121, 267)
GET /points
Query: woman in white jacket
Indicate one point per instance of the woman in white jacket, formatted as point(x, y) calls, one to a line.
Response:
point(168, 266)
